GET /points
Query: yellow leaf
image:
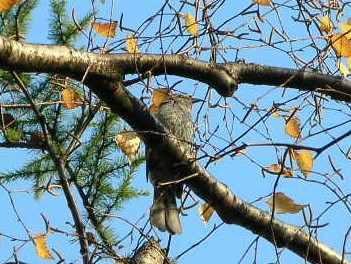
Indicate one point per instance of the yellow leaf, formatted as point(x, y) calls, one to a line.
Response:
point(71, 99)
point(345, 71)
point(262, 2)
point(282, 204)
point(341, 45)
point(132, 44)
point(206, 211)
point(346, 28)
point(129, 143)
point(288, 173)
point(106, 29)
point(6, 5)
point(275, 113)
point(160, 95)
point(191, 25)
point(305, 162)
point(276, 169)
point(293, 127)
point(153, 109)
point(326, 24)
point(42, 246)
point(349, 62)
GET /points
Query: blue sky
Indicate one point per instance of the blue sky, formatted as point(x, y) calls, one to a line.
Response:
point(228, 243)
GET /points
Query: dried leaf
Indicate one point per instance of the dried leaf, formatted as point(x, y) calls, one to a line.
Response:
point(106, 29)
point(345, 71)
point(153, 109)
point(275, 113)
point(206, 211)
point(129, 143)
point(132, 44)
point(341, 45)
point(262, 2)
point(160, 95)
point(283, 204)
point(42, 246)
point(191, 25)
point(276, 169)
point(305, 162)
point(6, 5)
point(70, 98)
point(326, 25)
point(346, 28)
point(293, 127)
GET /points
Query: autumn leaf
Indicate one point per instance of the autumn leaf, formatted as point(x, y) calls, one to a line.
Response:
point(276, 169)
point(282, 204)
point(6, 5)
point(160, 95)
point(132, 44)
point(70, 98)
point(153, 109)
point(191, 25)
point(206, 211)
point(42, 246)
point(341, 45)
point(345, 71)
point(293, 127)
point(106, 29)
point(346, 28)
point(326, 25)
point(305, 162)
point(262, 2)
point(129, 142)
point(275, 113)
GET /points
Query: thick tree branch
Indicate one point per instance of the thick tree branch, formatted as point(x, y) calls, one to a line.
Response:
point(104, 76)
point(223, 77)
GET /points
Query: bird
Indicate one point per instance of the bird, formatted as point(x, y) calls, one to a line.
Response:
point(174, 112)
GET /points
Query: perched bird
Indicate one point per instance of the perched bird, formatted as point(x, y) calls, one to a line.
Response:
point(174, 113)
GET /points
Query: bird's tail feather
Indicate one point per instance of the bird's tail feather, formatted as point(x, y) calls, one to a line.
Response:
point(164, 212)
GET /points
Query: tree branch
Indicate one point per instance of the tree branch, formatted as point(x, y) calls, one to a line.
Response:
point(224, 77)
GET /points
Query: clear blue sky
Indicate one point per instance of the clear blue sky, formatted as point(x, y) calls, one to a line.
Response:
point(228, 243)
